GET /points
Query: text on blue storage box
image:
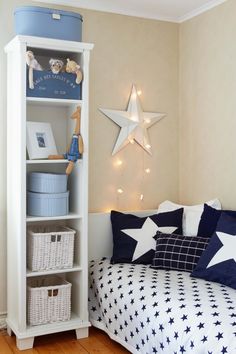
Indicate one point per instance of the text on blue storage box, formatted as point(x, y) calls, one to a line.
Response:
point(49, 85)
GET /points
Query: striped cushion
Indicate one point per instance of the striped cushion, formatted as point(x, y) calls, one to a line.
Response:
point(178, 252)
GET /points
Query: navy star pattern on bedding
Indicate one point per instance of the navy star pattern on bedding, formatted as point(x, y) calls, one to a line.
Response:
point(134, 237)
point(162, 311)
point(218, 261)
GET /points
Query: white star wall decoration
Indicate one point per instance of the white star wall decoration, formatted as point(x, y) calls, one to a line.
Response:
point(134, 123)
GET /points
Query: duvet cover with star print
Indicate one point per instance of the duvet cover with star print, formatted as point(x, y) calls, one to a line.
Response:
point(160, 311)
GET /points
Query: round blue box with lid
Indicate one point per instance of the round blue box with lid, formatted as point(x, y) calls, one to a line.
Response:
point(51, 23)
point(44, 204)
point(45, 182)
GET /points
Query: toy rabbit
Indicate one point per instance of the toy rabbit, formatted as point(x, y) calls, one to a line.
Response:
point(33, 65)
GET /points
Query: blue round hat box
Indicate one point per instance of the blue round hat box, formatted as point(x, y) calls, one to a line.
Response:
point(45, 22)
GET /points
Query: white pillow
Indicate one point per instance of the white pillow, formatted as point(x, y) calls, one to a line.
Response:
point(191, 216)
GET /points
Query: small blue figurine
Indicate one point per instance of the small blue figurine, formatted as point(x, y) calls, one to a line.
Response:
point(76, 147)
point(73, 154)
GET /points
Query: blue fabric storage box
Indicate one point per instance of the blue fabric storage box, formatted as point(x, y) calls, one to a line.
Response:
point(43, 204)
point(44, 182)
point(50, 23)
point(47, 84)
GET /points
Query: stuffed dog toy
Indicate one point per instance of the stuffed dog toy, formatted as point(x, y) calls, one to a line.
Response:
point(56, 65)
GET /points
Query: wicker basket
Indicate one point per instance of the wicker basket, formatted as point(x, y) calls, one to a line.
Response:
point(50, 247)
point(49, 300)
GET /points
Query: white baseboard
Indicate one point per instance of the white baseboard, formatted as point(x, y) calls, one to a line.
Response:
point(3, 316)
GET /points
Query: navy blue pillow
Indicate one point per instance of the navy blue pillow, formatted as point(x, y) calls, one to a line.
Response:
point(134, 237)
point(218, 261)
point(178, 252)
point(209, 220)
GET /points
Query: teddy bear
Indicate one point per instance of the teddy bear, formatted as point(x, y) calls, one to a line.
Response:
point(56, 65)
point(74, 68)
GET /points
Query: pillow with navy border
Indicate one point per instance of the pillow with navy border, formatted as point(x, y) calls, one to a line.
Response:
point(177, 252)
point(134, 237)
point(218, 261)
point(209, 220)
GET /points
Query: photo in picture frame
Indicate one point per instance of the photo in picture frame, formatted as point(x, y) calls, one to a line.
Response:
point(40, 140)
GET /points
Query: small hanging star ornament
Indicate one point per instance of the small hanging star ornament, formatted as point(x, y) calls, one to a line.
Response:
point(134, 123)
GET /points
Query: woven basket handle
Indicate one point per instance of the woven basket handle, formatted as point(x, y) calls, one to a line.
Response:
point(52, 292)
point(55, 238)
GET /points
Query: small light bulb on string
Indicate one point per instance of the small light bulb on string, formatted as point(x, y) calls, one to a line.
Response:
point(119, 162)
point(141, 197)
point(108, 210)
point(147, 120)
point(139, 92)
point(148, 146)
point(131, 140)
point(147, 170)
point(120, 191)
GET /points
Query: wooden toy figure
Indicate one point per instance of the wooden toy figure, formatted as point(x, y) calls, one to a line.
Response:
point(76, 147)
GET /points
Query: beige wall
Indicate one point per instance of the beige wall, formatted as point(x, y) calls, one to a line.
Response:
point(208, 106)
point(131, 50)
point(127, 50)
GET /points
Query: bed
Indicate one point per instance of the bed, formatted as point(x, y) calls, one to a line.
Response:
point(156, 311)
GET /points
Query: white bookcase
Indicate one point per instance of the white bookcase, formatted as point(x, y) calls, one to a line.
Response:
point(57, 112)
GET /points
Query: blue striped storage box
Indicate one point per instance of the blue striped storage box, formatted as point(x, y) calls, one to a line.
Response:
point(45, 182)
point(43, 204)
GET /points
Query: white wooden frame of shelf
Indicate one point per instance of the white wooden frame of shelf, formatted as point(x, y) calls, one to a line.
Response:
point(75, 268)
point(52, 101)
point(38, 162)
point(69, 216)
point(17, 219)
point(24, 341)
point(49, 44)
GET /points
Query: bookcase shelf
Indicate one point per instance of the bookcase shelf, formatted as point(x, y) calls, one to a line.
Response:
point(57, 112)
point(70, 216)
point(41, 162)
point(75, 268)
point(39, 101)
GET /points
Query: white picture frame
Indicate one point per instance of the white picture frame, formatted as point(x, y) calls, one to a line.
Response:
point(40, 140)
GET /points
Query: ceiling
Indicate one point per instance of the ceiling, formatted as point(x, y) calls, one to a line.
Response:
point(166, 10)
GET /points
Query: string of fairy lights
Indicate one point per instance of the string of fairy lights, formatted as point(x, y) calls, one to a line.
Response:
point(134, 123)
point(120, 190)
point(119, 163)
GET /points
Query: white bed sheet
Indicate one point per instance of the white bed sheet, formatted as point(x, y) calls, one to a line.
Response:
point(157, 311)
